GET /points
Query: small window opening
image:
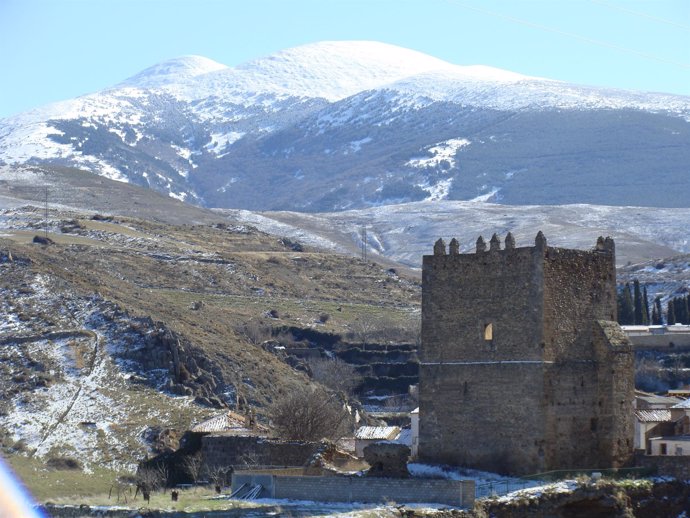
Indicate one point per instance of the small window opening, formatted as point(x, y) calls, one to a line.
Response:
point(593, 424)
point(488, 332)
point(662, 446)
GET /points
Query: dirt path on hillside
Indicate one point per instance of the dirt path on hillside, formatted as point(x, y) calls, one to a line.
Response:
point(96, 359)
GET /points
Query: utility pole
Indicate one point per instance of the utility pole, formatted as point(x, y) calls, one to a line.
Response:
point(364, 243)
point(46, 214)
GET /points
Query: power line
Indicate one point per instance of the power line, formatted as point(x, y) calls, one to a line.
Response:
point(364, 243)
point(587, 39)
point(642, 15)
point(46, 214)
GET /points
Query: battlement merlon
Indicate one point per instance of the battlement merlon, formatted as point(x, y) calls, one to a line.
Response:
point(603, 245)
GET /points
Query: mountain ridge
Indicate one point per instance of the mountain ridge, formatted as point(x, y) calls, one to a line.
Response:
point(339, 125)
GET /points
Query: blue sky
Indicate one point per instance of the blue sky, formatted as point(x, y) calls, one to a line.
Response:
point(57, 49)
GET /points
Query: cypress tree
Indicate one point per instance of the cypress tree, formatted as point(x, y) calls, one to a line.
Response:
point(637, 302)
point(626, 309)
point(680, 310)
point(655, 317)
point(645, 307)
point(682, 313)
point(659, 314)
point(670, 313)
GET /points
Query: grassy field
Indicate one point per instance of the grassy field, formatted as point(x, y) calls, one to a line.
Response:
point(46, 484)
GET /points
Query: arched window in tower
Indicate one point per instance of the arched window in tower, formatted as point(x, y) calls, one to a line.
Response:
point(488, 332)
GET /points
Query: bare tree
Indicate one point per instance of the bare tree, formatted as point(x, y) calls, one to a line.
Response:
point(254, 331)
point(363, 328)
point(120, 487)
point(412, 329)
point(192, 466)
point(217, 475)
point(149, 479)
point(310, 414)
point(335, 374)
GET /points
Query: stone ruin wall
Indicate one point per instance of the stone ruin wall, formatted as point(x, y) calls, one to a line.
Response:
point(239, 450)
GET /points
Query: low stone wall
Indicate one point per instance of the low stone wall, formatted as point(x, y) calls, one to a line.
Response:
point(233, 450)
point(456, 493)
point(666, 341)
point(677, 466)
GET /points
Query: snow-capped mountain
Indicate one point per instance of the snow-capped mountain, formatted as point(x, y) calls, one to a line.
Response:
point(336, 125)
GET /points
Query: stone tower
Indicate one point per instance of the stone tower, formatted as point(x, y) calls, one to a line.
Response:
point(523, 366)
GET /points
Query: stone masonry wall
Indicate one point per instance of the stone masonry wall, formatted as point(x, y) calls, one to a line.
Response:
point(459, 493)
point(488, 416)
point(616, 361)
point(463, 293)
point(226, 450)
point(546, 389)
point(666, 465)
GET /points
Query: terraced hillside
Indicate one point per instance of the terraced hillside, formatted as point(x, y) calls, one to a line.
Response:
point(123, 328)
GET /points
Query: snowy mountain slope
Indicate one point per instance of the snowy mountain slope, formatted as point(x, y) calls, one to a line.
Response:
point(337, 125)
point(173, 71)
point(406, 232)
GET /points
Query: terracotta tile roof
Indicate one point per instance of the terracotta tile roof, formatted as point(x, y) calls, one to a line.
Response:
point(227, 422)
point(653, 416)
point(377, 433)
point(653, 399)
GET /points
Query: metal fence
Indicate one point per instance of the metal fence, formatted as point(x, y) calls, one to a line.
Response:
point(502, 487)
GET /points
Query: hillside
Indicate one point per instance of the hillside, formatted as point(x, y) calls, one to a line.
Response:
point(126, 327)
point(405, 232)
point(349, 125)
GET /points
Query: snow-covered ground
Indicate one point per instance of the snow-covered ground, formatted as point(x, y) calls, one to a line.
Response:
point(72, 396)
point(407, 232)
point(443, 151)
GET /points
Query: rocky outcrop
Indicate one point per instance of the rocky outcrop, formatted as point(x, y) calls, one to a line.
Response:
point(605, 499)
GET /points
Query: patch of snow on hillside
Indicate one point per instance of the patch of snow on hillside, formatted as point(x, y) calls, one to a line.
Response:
point(225, 187)
point(32, 141)
point(442, 151)
point(482, 198)
point(182, 151)
point(100, 167)
point(116, 131)
point(438, 191)
point(356, 145)
point(182, 196)
point(221, 141)
point(278, 228)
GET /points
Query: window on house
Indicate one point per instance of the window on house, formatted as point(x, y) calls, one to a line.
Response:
point(488, 332)
point(662, 449)
point(679, 450)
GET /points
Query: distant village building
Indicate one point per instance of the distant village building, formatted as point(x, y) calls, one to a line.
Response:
point(523, 367)
point(366, 435)
point(651, 418)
